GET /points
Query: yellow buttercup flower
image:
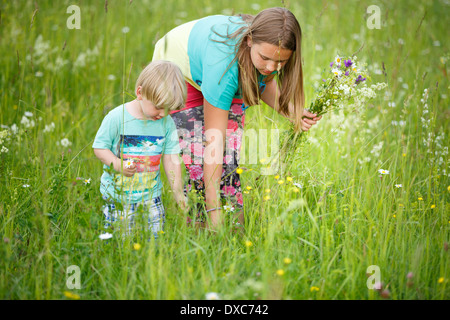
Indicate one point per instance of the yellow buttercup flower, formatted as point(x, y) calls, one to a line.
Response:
point(249, 188)
point(312, 289)
point(287, 260)
point(266, 198)
point(280, 272)
point(239, 170)
point(71, 295)
point(433, 206)
point(420, 198)
point(441, 280)
point(289, 179)
point(248, 243)
point(277, 177)
point(136, 246)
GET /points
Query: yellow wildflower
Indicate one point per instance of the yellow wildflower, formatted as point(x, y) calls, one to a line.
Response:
point(280, 181)
point(441, 280)
point(239, 170)
point(312, 289)
point(267, 197)
point(280, 272)
point(277, 177)
point(287, 260)
point(71, 295)
point(394, 216)
point(420, 198)
point(404, 154)
point(289, 179)
point(296, 190)
point(248, 243)
point(249, 188)
point(136, 246)
point(433, 206)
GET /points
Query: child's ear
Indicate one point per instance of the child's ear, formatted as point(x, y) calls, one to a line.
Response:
point(249, 42)
point(138, 93)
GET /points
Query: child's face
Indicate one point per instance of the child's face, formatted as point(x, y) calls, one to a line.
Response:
point(267, 57)
point(149, 111)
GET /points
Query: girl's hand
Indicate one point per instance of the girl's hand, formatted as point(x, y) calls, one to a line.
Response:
point(309, 119)
point(127, 172)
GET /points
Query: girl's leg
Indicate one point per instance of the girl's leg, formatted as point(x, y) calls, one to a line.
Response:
point(190, 126)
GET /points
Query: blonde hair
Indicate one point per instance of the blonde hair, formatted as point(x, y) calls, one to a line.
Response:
point(276, 26)
point(163, 84)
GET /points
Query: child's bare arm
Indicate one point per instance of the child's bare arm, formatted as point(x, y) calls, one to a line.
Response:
point(172, 169)
point(107, 157)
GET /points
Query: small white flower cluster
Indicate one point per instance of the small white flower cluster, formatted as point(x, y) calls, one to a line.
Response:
point(49, 128)
point(400, 123)
point(88, 57)
point(27, 121)
point(42, 55)
point(64, 142)
point(4, 136)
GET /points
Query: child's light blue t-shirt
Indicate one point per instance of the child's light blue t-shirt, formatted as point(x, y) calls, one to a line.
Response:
point(144, 142)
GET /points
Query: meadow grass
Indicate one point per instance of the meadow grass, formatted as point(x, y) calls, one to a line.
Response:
point(314, 239)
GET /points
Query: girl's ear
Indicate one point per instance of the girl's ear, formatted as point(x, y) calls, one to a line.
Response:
point(249, 41)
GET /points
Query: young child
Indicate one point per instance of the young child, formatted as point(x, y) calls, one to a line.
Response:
point(134, 138)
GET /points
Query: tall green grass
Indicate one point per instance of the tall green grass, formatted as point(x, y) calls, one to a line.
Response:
point(344, 219)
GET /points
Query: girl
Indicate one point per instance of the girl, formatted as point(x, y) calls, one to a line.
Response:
point(229, 64)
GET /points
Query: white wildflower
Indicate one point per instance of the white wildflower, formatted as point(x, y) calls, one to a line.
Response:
point(398, 185)
point(49, 128)
point(125, 30)
point(382, 171)
point(212, 296)
point(105, 236)
point(65, 142)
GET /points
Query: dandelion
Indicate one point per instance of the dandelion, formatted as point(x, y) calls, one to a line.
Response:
point(280, 272)
point(248, 243)
point(129, 163)
point(287, 260)
point(136, 246)
point(382, 171)
point(239, 171)
point(398, 185)
point(125, 30)
point(71, 295)
point(212, 296)
point(105, 236)
point(313, 288)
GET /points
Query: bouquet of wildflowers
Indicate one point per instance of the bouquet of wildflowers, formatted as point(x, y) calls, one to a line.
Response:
point(344, 85)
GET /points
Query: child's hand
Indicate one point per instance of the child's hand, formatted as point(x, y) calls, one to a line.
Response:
point(127, 170)
point(309, 119)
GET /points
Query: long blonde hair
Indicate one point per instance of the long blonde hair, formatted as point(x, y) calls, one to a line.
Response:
point(276, 26)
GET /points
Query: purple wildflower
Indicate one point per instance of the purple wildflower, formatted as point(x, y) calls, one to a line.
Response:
point(347, 73)
point(359, 79)
point(348, 63)
point(331, 64)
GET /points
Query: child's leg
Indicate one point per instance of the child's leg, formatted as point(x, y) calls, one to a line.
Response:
point(156, 216)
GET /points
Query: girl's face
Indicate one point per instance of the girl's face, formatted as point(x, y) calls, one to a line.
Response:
point(267, 57)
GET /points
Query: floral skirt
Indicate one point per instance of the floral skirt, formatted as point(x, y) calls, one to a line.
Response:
point(191, 132)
